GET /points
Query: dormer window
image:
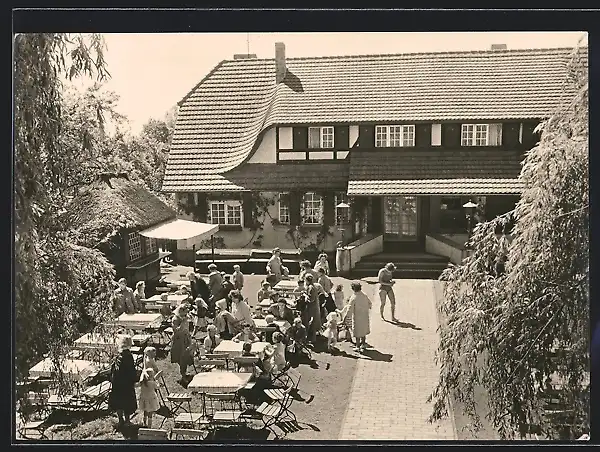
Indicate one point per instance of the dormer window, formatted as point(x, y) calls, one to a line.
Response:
point(481, 135)
point(320, 137)
point(394, 136)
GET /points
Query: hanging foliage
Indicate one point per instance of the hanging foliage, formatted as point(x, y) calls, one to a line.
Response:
point(517, 311)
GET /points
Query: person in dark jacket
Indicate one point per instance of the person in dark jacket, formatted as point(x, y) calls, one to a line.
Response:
point(122, 396)
point(198, 287)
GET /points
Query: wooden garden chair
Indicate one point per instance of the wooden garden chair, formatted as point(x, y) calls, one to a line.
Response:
point(275, 412)
point(152, 434)
point(189, 434)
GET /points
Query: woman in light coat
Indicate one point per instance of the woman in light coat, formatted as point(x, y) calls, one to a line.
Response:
point(359, 306)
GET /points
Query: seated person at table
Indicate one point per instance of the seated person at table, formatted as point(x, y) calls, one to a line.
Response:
point(184, 290)
point(256, 368)
point(265, 293)
point(281, 311)
point(139, 297)
point(212, 340)
point(224, 320)
point(300, 288)
point(285, 273)
point(122, 299)
point(261, 371)
point(270, 319)
point(246, 335)
point(296, 337)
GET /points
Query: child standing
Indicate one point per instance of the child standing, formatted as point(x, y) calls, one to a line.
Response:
point(333, 319)
point(148, 398)
point(338, 297)
point(201, 313)
point(238, 278)
point(246, 335)
point(278, 352)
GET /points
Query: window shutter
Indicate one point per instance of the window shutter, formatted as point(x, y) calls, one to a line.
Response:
point(451, 135)
point(247, 209)
point(341, 140)
point(202, 208)
point(423, 135)
point(510, 134)
point(328, 209)
point(529, 138)
point(300, 140)
point(295, 200)
point(366, 137)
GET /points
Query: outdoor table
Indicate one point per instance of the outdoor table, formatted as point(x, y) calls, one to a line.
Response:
point(234, 349)
point(140, 339)
point(286, 285)
point(174, 298)
point(96, 341)
point(266, 303)
point(78, 368)
point(261, 324)
point(220, 382)
point(138, 321)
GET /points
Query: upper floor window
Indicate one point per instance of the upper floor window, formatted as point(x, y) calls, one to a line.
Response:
point(342, 214)
point(320, 137)
point(481, 135)
point(284, 208)
point(225, 212)
point(151, 245)
point(135, 246)
point(312, 208)
point(394, 136)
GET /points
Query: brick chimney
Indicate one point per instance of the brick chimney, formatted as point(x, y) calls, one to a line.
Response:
point(498, 46)
point(280, 68)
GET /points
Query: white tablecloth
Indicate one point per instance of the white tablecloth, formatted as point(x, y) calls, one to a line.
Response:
point(219, 382)
point(234, 349)
point(261, 324)
point(96, 341)
point(78, 368)
point(171, 299)
point(138, 321)
point(286, 285)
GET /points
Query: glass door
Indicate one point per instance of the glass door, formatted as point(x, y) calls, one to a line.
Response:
point(400, 217)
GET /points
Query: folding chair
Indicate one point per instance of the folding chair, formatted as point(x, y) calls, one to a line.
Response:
point(152, 434)
point(189, 434)
point(230, 412)
point(163, 410)
point(92, 398)
point(280, 396)
point(281, 376)
point(218, 356)
point(38, 426)
point(34, 413)
point(272, 413)
point(244, 362)
point(206, 365)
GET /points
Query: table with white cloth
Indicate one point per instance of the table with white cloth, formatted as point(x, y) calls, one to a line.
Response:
point(219, 382)
point(261, 324)
point(79, 369)
point(266, 303)
point(286, 285)
point(172, 298)
point(139, 321)
point(96, 341)
point(234, 349)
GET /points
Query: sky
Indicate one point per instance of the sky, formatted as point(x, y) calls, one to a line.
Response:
point(152, 72)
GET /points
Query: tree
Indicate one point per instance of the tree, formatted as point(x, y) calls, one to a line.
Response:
point(58, 283)
point(509, 331)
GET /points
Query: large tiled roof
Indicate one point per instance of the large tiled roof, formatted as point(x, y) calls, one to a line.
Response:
point(437, 172)
point(219, 121)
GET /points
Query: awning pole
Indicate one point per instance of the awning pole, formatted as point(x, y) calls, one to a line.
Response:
point(212, 245)
point(194, 250)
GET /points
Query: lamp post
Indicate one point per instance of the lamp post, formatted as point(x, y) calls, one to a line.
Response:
point(469, 212)
point(342, 205)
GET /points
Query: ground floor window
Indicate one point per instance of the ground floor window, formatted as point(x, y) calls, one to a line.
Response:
point(225, 212)
point(312, 208)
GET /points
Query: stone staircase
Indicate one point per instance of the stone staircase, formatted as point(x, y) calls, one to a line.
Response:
point(409, 265)
point(249, 260)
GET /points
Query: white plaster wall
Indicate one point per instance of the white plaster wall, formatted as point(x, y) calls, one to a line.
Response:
point(273, 235)
point(434, 246)
point(266, 152)
point(352, 135)
point(286, 140)
point(365, 249)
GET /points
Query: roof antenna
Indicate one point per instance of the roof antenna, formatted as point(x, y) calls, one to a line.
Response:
point(248, 44)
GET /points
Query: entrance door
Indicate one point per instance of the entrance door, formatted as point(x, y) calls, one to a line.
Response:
point(400, 217)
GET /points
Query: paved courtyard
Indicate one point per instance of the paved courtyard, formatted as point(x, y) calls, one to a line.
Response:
point(394, 379)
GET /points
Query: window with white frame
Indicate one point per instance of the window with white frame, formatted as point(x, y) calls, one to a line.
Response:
point(312, 208)
point(284, 208)
point(135, 246)
point(151, 245)
point(320, 137)
point(225, 212)
point(481, 135)
point(342, 214)
point(394, 136)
